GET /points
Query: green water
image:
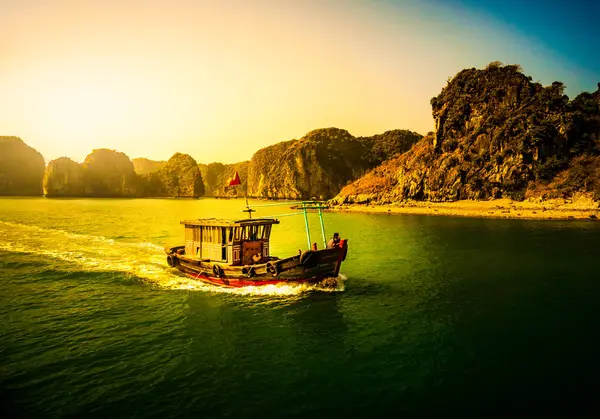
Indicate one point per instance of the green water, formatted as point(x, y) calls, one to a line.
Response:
point(436, 316)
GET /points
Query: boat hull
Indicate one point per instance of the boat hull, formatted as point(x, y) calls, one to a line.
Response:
point(309, 267)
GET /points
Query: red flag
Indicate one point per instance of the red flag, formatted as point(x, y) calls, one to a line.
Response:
point(234, 181)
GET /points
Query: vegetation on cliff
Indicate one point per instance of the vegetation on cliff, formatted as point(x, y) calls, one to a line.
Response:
point(498, 134)
point(391, 143)
point(21, 168)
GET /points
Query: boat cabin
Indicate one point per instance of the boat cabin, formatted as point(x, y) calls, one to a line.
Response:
point(234, 242)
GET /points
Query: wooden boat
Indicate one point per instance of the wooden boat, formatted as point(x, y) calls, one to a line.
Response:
point(235, 253)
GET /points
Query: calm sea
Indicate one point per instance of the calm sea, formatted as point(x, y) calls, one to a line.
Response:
point(436, 316)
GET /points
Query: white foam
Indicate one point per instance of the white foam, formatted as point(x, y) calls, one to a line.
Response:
point(142, 260)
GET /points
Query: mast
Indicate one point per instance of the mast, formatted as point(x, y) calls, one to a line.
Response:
point(235, 181)
point(248, 209)
point(306, 224)
point(322, 226)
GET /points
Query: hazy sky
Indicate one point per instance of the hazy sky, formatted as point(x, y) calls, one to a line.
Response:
point(221, 79)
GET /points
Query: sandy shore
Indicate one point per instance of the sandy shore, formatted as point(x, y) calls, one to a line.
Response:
point(555, 209)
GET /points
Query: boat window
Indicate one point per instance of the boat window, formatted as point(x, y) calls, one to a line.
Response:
point(252, 231)
point(196, 234)
point(207, 237)
point(189, 234)
point(267, 232)
point(236, 234)
point(244, 235)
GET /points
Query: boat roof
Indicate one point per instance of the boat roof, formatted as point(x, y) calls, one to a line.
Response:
point(222, 222)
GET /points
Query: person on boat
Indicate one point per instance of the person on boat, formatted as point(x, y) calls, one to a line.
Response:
point(334, 241)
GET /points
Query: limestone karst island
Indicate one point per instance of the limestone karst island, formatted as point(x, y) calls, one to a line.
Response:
point(299, 209)
point(503, 146)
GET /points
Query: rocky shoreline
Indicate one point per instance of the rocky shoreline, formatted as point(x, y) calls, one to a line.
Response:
point(577, 208)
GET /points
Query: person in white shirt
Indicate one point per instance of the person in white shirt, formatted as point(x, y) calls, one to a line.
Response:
point(334, 241)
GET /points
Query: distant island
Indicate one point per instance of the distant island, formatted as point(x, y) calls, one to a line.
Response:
point(316, 166)
point(21, 168)
point(498, 136)
point(108, 173)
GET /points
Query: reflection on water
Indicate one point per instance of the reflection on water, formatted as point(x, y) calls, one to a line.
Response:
point(432, 314)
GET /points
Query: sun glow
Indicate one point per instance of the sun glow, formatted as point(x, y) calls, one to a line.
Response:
point(219, 80)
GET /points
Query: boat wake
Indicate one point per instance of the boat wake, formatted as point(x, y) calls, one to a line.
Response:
point(142, 260)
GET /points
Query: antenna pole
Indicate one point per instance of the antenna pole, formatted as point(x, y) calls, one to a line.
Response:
point(306, 223)
point(322, 225)
point(247, 206)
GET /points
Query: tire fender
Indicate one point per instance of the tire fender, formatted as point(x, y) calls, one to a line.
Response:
point(273, 268)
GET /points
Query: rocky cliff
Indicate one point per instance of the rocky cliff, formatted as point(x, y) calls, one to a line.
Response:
point(21, 168)
point(180, 177)
point(215, 176)
point(319, 164)
point(104, 173)
point(108, 173)
point(143, 166)
point(391, 143)
point(64, 177)
point(497, 134)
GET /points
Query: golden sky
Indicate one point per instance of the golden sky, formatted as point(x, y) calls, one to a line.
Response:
point(220, 79)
